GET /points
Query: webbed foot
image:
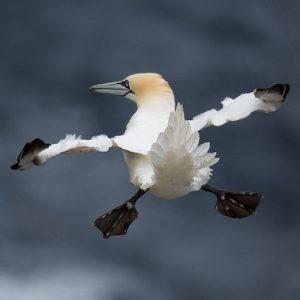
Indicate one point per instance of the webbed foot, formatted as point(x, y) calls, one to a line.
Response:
point(235, 204)
point(118, 220)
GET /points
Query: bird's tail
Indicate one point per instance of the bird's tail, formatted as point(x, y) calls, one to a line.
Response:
point(180, 164)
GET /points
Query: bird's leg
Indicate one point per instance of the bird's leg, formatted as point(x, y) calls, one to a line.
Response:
point(117, 221)
point(234, 204)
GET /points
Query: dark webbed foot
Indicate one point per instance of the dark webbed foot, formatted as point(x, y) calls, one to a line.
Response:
point(238, 205)
point(235, 204)
point(118, 220)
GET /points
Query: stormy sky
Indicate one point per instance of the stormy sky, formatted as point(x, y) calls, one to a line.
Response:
point(51, 52)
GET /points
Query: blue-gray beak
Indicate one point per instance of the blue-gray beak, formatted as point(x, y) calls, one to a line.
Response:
point(120, 88)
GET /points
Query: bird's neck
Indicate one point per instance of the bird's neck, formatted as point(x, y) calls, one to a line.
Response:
point(160, 102)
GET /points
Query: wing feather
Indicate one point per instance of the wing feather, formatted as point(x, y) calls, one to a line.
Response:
point(37, 152)
point(265, 100)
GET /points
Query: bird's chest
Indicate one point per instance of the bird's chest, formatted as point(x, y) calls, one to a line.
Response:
point(147, 127)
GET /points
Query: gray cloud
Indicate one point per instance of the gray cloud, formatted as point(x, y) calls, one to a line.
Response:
point(183, 249)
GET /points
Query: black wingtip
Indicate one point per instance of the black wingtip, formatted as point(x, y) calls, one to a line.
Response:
point(281, 88)
point(15, 166)
point(287, 90)
point(277, 92)
point(28, 154)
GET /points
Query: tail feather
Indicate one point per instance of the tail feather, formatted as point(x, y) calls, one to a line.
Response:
point(179, 162)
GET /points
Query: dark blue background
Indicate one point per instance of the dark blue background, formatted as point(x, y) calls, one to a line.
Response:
point(51, 52)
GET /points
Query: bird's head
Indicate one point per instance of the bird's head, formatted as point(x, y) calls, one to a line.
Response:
point(141, 88)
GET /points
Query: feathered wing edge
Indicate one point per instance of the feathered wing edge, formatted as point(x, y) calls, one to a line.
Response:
point(265, 100)
point(177, 157)
point(37, 152)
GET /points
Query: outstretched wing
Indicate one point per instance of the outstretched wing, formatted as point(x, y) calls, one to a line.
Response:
point(266, 100)
point(38, 152)
point(180, 164)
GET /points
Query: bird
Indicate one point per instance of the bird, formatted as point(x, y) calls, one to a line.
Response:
point(161, 146)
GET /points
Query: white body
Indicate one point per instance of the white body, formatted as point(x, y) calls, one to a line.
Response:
point(141, 133)
point(167, 168)
point(161, 148)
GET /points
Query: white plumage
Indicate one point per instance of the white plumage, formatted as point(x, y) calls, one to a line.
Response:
point(73, 144)
point(179, 164)
point(161, 148)
point(236, 109)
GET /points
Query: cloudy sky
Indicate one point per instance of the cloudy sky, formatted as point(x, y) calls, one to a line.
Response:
point(51, 52)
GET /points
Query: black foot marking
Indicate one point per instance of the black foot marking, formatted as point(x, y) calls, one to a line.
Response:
point(27, 156)
point(237, 205)
point(117, 221)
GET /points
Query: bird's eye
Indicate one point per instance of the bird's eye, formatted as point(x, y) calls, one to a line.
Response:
point(126, 83)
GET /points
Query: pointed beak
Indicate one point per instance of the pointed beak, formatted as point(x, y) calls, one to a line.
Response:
point(114, 88)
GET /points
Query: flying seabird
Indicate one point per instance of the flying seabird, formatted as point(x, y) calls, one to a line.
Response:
point(161, 147)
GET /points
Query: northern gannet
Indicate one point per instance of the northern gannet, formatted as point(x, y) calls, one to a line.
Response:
point(161, 147)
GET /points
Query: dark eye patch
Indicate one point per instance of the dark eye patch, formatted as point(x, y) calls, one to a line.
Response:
point(126, 84)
